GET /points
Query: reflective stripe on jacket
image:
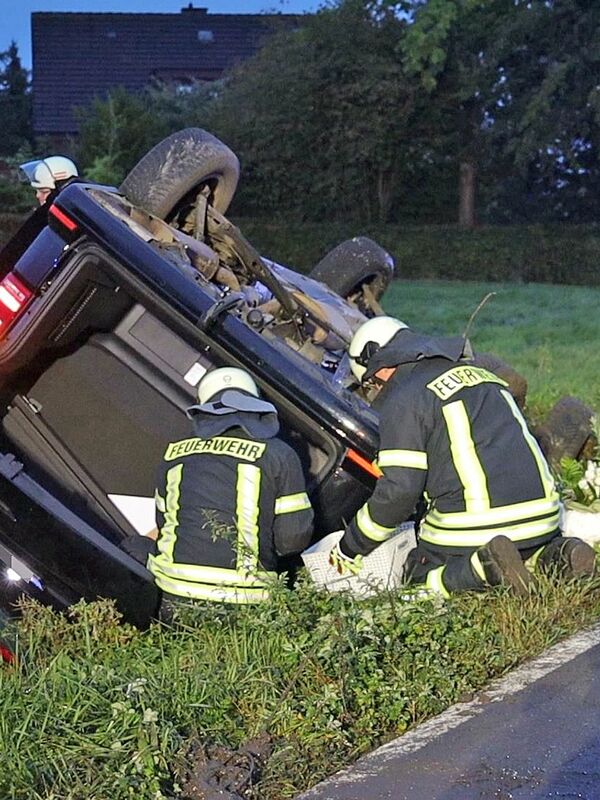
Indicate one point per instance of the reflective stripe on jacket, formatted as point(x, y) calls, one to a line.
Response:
point(227, 508)
point(454, 434)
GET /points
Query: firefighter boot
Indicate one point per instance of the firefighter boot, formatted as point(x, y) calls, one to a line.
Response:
point(503, 566)
point(569, 556)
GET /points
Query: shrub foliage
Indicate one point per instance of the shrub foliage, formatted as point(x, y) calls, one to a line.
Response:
point(94, 708)
point(548, 254)
point(561, 254)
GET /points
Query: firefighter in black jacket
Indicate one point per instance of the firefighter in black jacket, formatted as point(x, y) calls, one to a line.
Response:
point(231, 499)
point(452, 434)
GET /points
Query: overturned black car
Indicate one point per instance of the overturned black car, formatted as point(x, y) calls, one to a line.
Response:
point(113, 304)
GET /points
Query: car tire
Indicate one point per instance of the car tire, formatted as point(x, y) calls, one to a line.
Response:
point(170, 175)
point(353, 265)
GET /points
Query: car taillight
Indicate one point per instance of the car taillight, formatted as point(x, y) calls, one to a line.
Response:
point(6, 654)
point(64, 220)
point(14, 297)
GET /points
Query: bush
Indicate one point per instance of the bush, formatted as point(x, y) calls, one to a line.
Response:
point(9, 225)
point(95, 708)
point(15, 198)
point(543, 254)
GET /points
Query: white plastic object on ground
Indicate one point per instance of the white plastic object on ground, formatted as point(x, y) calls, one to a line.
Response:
point(582, 524)
point(382, 569)
point(140, 512)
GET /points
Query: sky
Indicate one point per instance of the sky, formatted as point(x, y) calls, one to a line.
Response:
point(15, 15)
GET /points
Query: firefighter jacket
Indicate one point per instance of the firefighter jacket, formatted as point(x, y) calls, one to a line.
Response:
point(452, 433)
point(229, 504)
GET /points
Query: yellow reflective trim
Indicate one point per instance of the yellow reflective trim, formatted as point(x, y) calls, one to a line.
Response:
point(531, 562)
point(214, 593)
point(288, 503)
point(478, 566)
point(434, 581)
point(457, 378)
point(415, 459)
point(495, 516)
point(159, 501)
point(476, 538)
point(168, 533)
point(247, 509)
point(542, 464)
point(199, 573)
point(370, 528)
point(465, 458)
point(246, 449)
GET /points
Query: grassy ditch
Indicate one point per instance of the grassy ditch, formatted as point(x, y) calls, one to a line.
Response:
point(96, 709)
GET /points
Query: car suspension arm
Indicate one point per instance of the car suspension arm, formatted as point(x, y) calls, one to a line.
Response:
point(222, 230)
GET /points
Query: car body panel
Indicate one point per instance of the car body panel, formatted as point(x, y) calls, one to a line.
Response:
point(96, 374)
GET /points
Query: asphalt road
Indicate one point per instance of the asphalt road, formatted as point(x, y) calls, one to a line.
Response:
point(534, 734)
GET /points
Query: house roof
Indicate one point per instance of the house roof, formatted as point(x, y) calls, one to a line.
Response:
point(77, 56)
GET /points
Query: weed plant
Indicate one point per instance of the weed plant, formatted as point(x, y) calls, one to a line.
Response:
point(96, 709)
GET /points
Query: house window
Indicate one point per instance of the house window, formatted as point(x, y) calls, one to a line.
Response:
point(206, 36)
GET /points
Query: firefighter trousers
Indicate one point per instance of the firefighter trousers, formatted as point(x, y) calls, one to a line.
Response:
point(459, 574)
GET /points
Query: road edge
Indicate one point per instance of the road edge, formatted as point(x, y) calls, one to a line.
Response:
point(520, 677)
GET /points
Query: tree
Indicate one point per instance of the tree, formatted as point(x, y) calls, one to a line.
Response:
point(451, 48)
point(520, 85)
point(114, 134)
point(321, 117)
point(15, 102)
point(117, 130)
point(547, 118)
point(180, 106)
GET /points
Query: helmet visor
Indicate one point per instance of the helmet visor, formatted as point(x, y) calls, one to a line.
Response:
point(367, 353)
point(37, 173)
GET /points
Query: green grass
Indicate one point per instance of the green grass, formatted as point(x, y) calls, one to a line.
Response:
point(96, 709)
point(550, 334)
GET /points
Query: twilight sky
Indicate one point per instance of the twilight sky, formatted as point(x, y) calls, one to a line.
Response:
point(15, 15)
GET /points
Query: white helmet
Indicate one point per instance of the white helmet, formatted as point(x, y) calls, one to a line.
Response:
point(45, 173)
point(377, 331)
point(217, 380)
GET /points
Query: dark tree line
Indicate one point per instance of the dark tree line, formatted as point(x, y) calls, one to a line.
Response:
point(15, 102)
point(375, 110)
point(16, 137)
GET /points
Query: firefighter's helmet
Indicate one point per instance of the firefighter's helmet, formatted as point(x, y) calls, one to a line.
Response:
point(50, 172)
point(217, 380)
point(368, 339)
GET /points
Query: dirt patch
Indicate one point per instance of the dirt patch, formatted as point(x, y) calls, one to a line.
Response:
point(215, 772)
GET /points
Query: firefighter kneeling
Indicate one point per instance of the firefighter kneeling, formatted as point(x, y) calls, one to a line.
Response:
point(452, 433)
point(231, 500)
